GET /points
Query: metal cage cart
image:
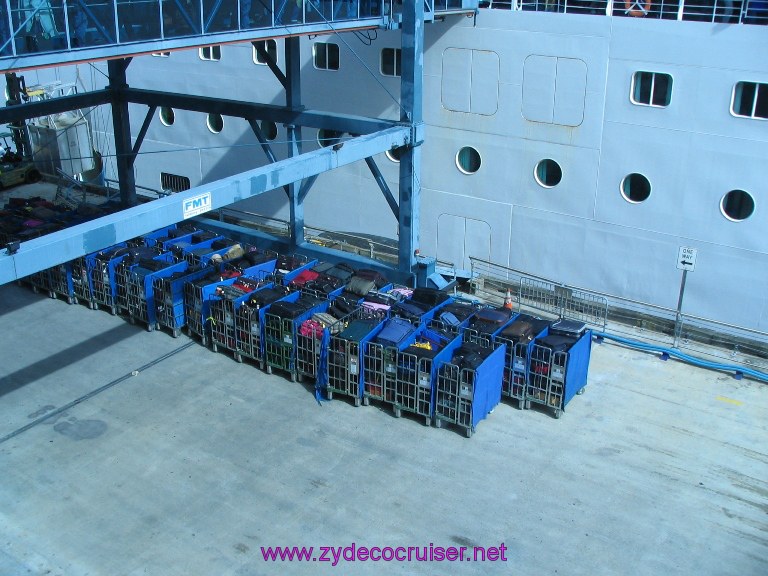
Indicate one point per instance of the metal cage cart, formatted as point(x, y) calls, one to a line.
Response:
point(557, 373)
point(416, 377)
point(136, 282)
point(225, 305)
point(249, 320)
point(312, 344)
point(102, 270)
point(198, 293)
point(519, 348)
point(487, 324)
point(169, 295)
point(380, 357)
point(281, 331)
point(465, 396)
point(81, 282)
point(61, 284)
point(345, 358)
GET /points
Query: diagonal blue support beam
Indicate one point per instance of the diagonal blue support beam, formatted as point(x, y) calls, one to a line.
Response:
point(142, 134)
point(384, 187)
point(66, 245)
point(264, 55)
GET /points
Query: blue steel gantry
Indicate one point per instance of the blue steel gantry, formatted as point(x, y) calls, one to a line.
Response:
point(38, 33)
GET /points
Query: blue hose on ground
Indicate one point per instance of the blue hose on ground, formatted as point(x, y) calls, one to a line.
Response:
point(684, 357)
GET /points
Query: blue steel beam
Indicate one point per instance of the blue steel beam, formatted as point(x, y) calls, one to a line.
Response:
point(27, 110)
point(293, 102)
point(66, 245)
point(411, 96)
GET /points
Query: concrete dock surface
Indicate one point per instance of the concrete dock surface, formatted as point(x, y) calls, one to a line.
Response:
point(161, 457)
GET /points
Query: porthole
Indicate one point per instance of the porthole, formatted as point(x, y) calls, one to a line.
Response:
point(269, 129)
point(635, 188)
point(215, 123)
point(328, 137)
point(737, 205)
point(548, 173)
point(468, 160)
point(167, 116)
point(395, 154)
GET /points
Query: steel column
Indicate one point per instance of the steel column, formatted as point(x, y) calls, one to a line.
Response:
point(411, 93)
point(293, 102)
point(122, 129)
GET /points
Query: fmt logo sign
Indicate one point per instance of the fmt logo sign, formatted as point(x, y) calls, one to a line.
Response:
point(197, 205)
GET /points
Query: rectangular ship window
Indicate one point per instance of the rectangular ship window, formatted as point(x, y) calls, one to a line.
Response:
point(651, 89)
point(173, 182)
point(212, 53)
point(269, 46)
point(750, 100)
point(390, 61)
point(161, 54)
point(325, 55)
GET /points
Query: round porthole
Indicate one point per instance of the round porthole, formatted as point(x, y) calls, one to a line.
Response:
point(328, 137)
point(215, 123)
point(737, 205)
point(167, 116)
point(468, 160)
point(395, 154)
point(548, 173)
point(269, 129)
point(635, 188)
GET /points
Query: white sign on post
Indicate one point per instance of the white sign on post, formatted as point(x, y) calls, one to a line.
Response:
point(686, 258)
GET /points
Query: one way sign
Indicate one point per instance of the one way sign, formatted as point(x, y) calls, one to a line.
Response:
point(686, 258)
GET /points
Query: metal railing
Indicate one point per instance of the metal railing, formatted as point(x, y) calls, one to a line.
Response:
point(720, 11)
point(621, 316)
point(36, 26)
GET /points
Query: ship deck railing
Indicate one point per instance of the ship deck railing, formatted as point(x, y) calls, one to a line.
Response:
point(714, 11)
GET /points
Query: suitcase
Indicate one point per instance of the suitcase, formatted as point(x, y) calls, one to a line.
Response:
point(408, 309)
point(341, 271)
point(394, 332)
point(460, 311)
point(430, 296)
point(360, 286)
point(519, 331)
point(568, 328)
point(262, 298)
point(304, 277)
point(288, 310)
point(311, 328)
point(557, 342)
point(376, 277)
point(489, 320)
point(357, 330)
point(450, 319)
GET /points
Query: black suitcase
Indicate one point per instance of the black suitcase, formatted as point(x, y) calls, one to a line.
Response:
point(429, 296)
point(568, 328)
point(557, 342)
point(519, 331)
point(289, 310)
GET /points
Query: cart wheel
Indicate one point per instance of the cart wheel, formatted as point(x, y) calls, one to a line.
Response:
point(469, 432)
point(157, 326)
point(150, 327)
point(292, 376)
point(238, 357)
point(581, 391)
point(527, 404)
point(520, 404)
point(35, 290)
point(204, 341)
point(396, 410)
point(329, 394)
point(427, 421)
point(214, 346)
point(51, 294)
point(357, 401)
point(438, 423)
point(113, 311)
point(70, 300)
point(175, 332)
point(558, 412)
point(366, 401)
point(269, 369)
point(93, 305)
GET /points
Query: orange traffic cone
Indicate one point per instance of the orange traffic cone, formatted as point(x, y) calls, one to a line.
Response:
point(508, 300)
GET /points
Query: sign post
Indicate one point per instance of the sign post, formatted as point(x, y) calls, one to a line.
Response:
point(686, 261)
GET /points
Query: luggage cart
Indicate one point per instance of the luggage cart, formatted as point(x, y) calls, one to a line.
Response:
point(249, 319)
point(169, 296)
point(555, 377)
point(81, 282)
point(280, 336)
point(60, 277)
point(312, 348)
point(138, 288)
point(380, 367)
point(516, 365)
point(345, 358)
point(465, 396)
point(224, 306)
point(416, 379)
point(102, 270)
point(487, 339)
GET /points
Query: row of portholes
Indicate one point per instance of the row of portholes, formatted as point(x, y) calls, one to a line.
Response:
point(215, 122)
point(736, 205)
